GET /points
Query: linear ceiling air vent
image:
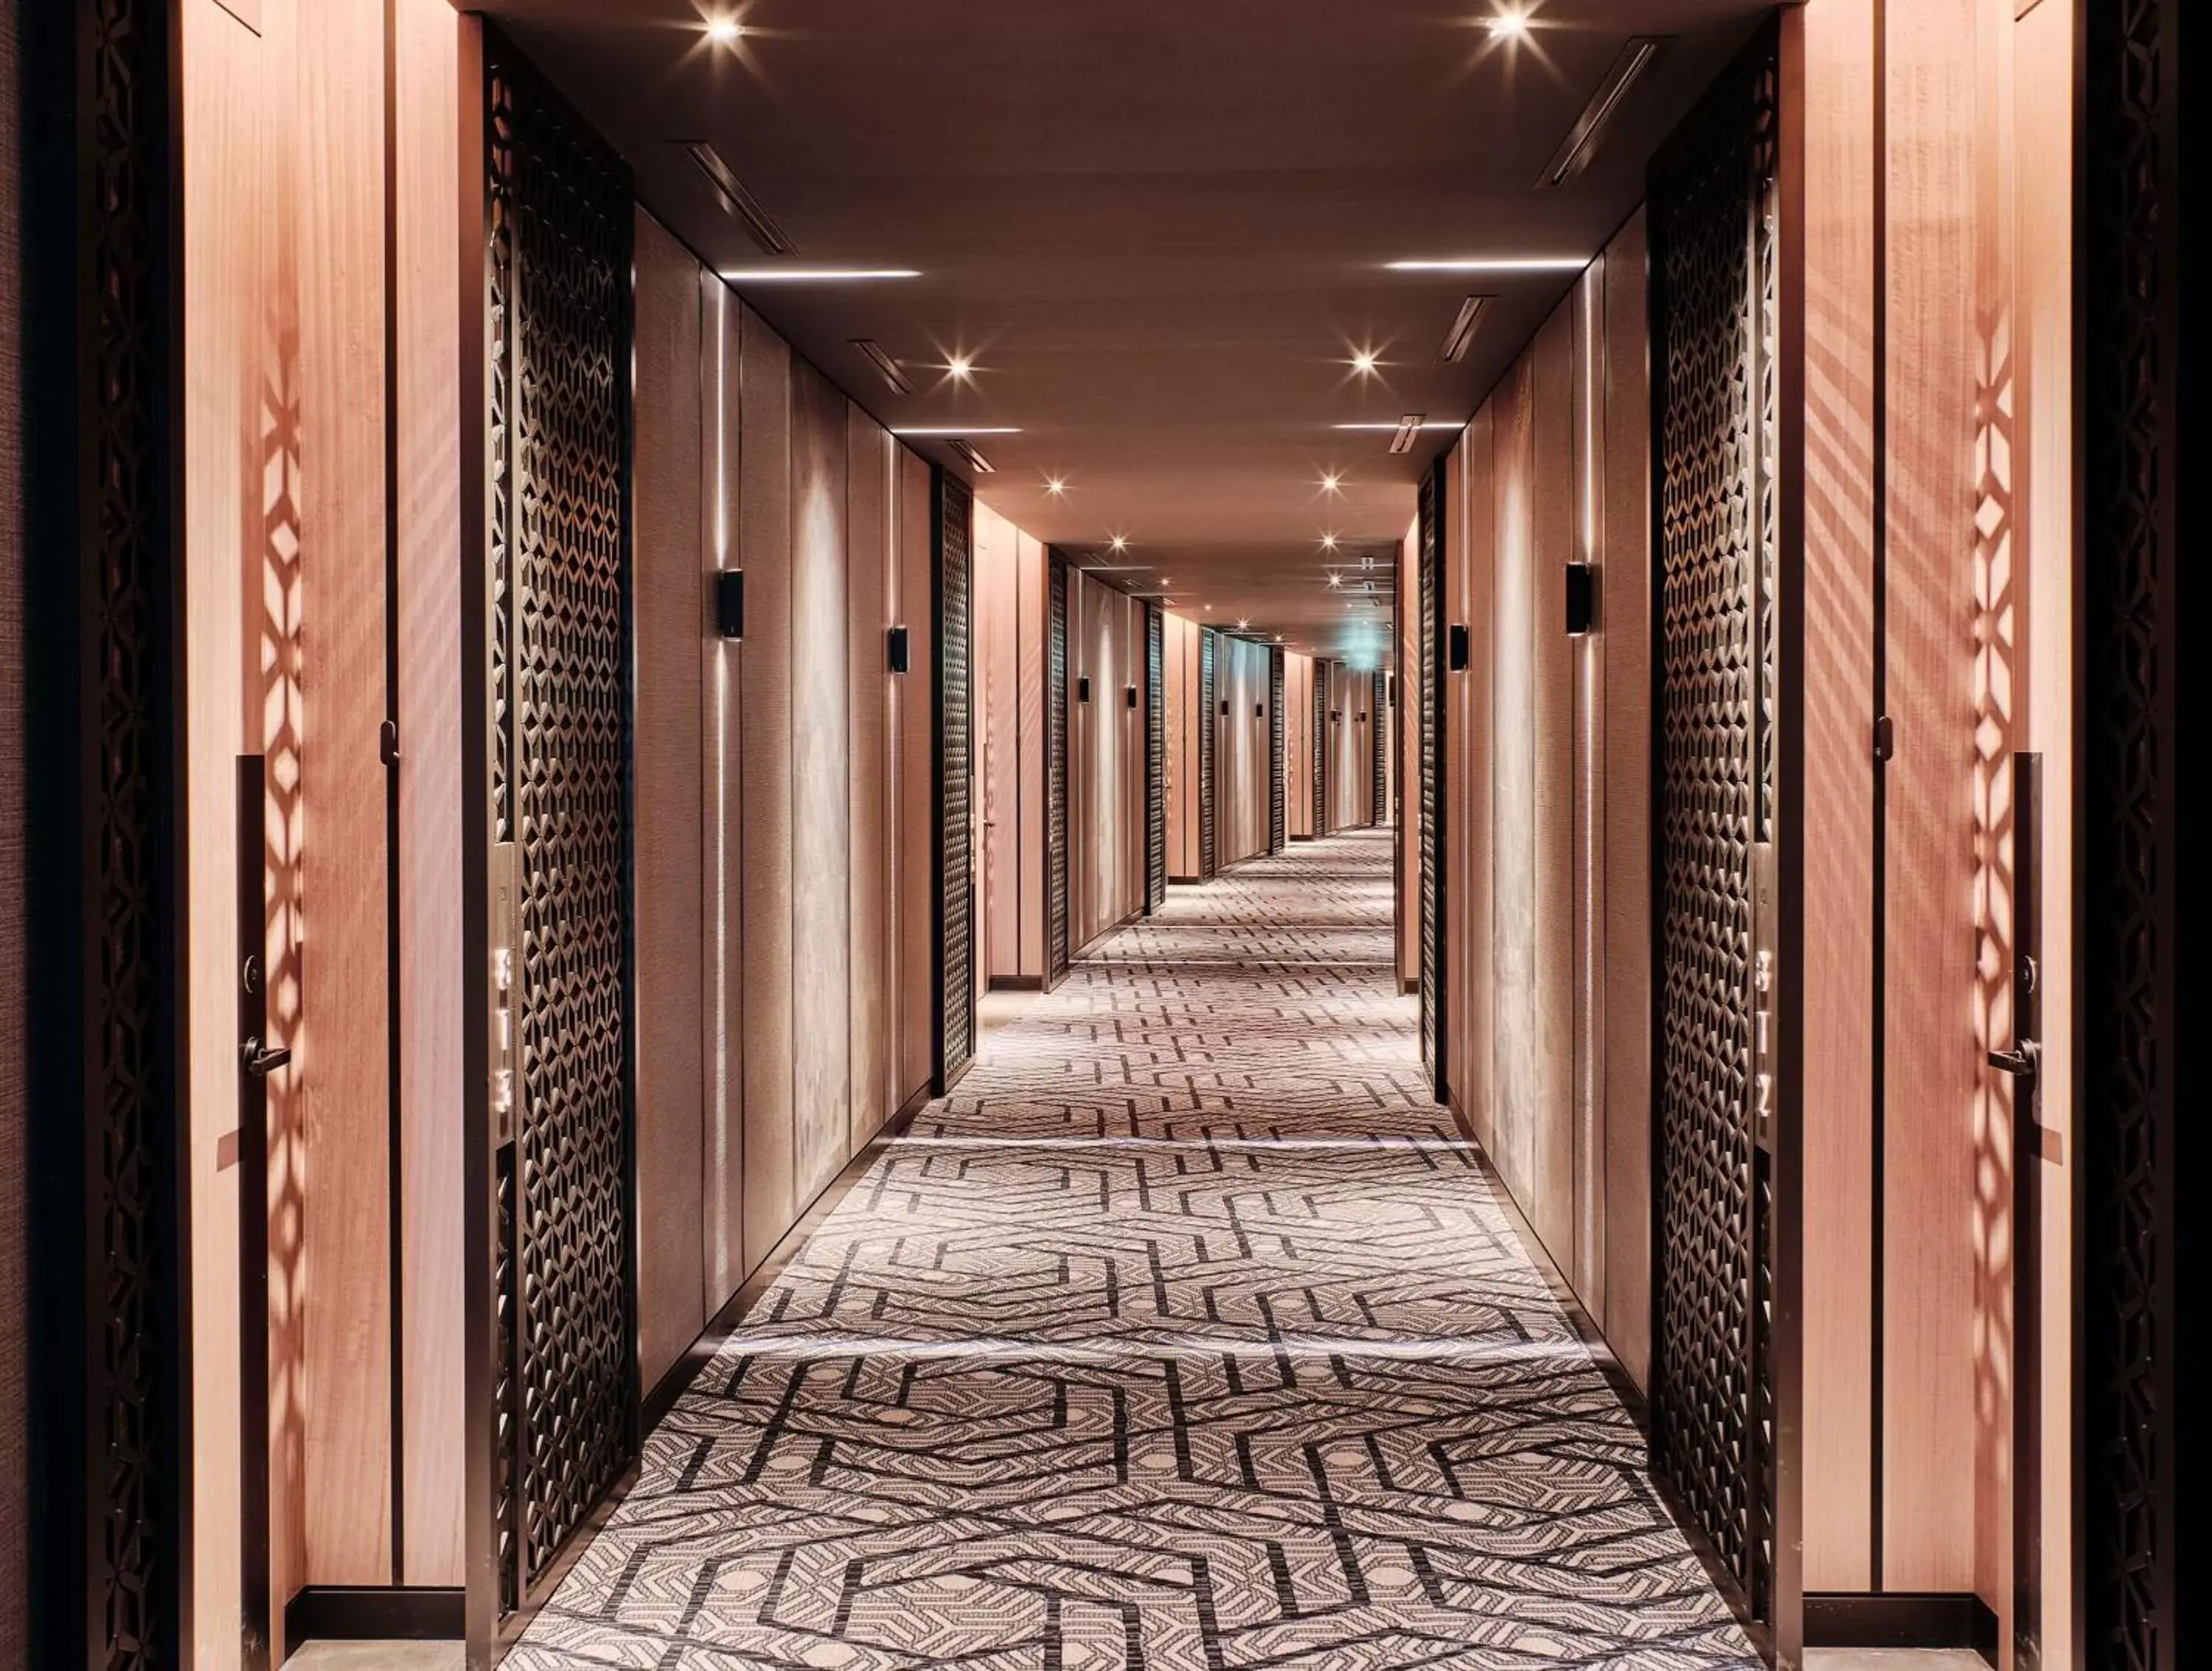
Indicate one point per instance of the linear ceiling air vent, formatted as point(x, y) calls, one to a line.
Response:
point(976, 461)
point(873, 353)
point(742, 206)
point(1461, 334)
point(1409, 431)
point(1576, 150)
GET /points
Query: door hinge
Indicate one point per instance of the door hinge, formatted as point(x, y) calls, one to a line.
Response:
point(387, 742)
point(1885, 737)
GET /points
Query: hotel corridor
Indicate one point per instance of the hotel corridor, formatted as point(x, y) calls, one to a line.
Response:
point(1187, 1332)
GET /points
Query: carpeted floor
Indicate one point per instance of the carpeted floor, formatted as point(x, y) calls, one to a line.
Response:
point(1184, 1336)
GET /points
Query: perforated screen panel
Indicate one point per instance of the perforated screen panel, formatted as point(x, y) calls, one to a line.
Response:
point(1278, 737)
point(1713, 243)
point(1430, 696)
point(1378, 720)
point(1056, 904)
point(559, 335)
point(955, 939)
point(1320, 747)
point(1209, 725)
point(1156, 758)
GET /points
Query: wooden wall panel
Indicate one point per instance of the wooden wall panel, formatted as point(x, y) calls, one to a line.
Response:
point(1461, 832)
point(1297, 745)
point(1584, 693)
point(1106, 758)
point(425, 117)
point(1184, 719)
point(1131, 884)
point(1839, 701)
point(723, 1264)
point(868, 772)
point(229, 277)
point(1242, 680)
point(1623, 555)
point(916, 697)
point(1408, 747)
point(999, 753)
point(1550, 952)
point(764, 525)
point(1515, 1042)
point(342, 1061)
point(1475, 1006)
point(667, 783)
point(1930, 1067)
point(821, 1072)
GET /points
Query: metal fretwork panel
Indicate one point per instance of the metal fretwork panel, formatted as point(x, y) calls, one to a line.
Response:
point(559, 338)
point(1205, 753)
point(1378, 722)
point(1278, 737)
point(1156, 757)
point(956, 985)
point(1430, 696)
point(1320, 747)
point(1056, 770)
point(2131, 1181)
point(1713, 241)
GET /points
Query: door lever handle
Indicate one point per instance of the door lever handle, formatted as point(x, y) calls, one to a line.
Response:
point(260, 1062)
point(2025, 1063)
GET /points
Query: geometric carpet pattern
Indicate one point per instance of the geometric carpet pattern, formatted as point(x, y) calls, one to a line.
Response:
point(1185, 1335)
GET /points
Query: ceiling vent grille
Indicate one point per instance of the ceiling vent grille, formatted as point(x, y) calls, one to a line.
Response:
point(742, 206)
point(873, 353)
point(1461, 334)
point(976, 461)
point(1409, 432)
point(1576, 150)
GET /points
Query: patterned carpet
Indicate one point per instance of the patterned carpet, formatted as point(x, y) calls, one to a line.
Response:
point(1184, 1336)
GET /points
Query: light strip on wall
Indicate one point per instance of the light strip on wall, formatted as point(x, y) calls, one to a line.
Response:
point(945, 431)
point(1392, 429)
point(738, 203)
point(813, 275)
point(1580, 145)
point(1483, 264)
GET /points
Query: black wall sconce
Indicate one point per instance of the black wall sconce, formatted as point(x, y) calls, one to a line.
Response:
point(1458, 647)
point(730, 603)
point(896, 650)
point(1390, 685)
point(1259, 710)
point(1582, 599)
point(1336, 716)
point(1083, 688)
point(1130, 692)
point(1224, 707)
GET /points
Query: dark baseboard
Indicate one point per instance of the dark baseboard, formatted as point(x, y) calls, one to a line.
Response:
point(944, 1088)
point(1409, 983)
point(1018, 983)
point(375, 1612)
point(1184, 881)
point(1901, 1619)
point(1302, 838)
point(655, 1407)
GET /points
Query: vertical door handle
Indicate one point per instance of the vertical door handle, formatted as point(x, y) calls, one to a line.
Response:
point(259, 1060)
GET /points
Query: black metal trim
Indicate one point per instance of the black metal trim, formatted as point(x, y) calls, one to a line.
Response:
point(376, 1612)
point(1900, 1619)
point(1878, 998)
point(1378, 711)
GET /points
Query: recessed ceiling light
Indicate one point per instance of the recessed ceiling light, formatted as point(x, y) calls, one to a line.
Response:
point(1120, 542)
point(960, 365)
point(1510, 26)
point(1332, 482)
point(726, 31)
point(925, 431)
point(813, 275)
point(1055, 485)
point(1241, 625)
point(1336, 580)
point(1328, 542)
point(1495, 263)
point(1363, 362)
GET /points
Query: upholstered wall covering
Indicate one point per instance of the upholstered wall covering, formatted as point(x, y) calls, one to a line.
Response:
point(1010, 745)
point(1299, 745)
point(1185, 716)
point(1546, 768)
point(1241, 679)
point(782, 787)
point(1350, 785)
point(1105, 756)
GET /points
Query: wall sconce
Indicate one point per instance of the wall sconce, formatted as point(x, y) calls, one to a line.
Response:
point(1130, 691)
point(1259, 710)
point(1458, 647)
point(1390, 685)
point(1582, 599)
point(1336, 716)
point(1083, 688)
point(896, 650)
point(730, 603)
point(1224, 707)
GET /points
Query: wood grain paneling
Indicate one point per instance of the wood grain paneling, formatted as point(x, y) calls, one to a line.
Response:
point(916, 697)
point(1184, 717)
point(427, 342)
point(1839, 702)
point(723, 1264)
point(1106, 758)
point(1550, 952)
point(1463, 836)
point(1585, 695)
point(821, 946)
point(667, 848)
point(1930, 1069)
point(1475, 1008)
point(340, 1059)
point(1624, 628)
point(1515, 1043)
point(998, 666)
point(229, 276)
point(1029, 640)
point(764, 518)
point(868, 772)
